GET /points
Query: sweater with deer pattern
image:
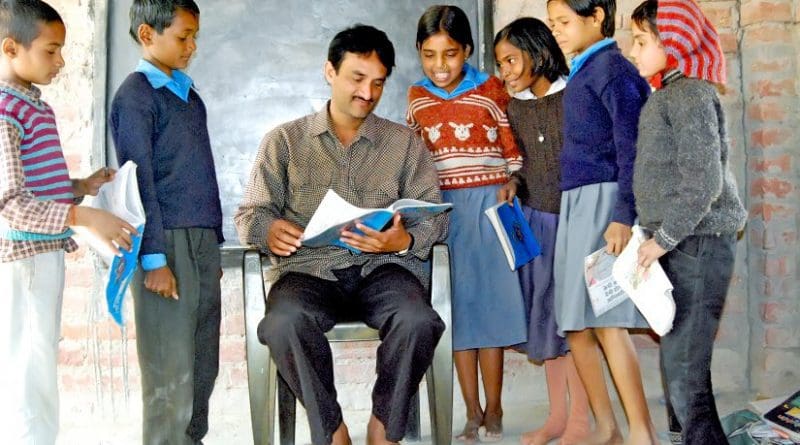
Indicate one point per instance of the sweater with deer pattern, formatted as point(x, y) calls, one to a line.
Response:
point(469, 135)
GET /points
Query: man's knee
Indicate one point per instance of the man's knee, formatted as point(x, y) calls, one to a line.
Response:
point(285, 317)
point(419, 320)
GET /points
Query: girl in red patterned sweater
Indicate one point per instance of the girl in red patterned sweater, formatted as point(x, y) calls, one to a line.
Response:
point(461, 114)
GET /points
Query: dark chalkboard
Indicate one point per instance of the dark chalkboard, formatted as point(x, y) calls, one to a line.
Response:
point(259, 63)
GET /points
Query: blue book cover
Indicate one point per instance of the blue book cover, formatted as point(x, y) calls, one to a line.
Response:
point(334, 215)
point(119, 276)
point(514, 233)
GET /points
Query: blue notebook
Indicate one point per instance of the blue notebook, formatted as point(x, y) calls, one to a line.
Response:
point(120, 273)
point(514, 233)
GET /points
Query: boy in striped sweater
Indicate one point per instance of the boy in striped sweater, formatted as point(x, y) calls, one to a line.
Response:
point(37, 212)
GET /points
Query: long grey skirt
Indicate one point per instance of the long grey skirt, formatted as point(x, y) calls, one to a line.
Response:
point(585, 214)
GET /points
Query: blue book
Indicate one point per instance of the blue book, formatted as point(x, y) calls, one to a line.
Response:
point(334, 215)
point(514, 233)
point(120, 273)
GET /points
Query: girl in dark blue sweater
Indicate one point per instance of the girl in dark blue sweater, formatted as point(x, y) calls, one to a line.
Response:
point(601, 108)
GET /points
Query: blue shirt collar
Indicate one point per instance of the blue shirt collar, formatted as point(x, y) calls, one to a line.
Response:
point(180, 83)
point(579, 60)
point(472, 79)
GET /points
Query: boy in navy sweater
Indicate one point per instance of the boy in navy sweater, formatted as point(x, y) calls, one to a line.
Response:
point(159, 122)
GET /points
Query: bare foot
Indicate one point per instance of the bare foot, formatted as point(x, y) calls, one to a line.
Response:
point(341, 436)
point(576, 432)
point(643, 437)
point(376, 432)
point(470, 432)
point(493, 427)
point(551, 429)
point(612, 437)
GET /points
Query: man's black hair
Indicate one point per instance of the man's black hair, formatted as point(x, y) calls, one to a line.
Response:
point(158, 14)
point(363, 40)
point(20, 19)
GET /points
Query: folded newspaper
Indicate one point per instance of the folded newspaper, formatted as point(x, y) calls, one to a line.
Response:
point(611, 280)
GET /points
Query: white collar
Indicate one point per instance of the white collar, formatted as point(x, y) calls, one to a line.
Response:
point(555, 87)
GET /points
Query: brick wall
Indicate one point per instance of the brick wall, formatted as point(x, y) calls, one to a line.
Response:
point(758, 346)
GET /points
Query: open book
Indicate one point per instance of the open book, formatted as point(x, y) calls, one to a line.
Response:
point(120, 197)
point(514, 233)
point(335, 215)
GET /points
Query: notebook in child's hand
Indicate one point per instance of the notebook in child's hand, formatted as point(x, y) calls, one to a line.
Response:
point(514, 233)
point(335, 215)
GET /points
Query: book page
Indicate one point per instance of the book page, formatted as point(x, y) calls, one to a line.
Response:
point(332, 211)
point(604, 291)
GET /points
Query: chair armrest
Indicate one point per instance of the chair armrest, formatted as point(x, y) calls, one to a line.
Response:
point(440, 283)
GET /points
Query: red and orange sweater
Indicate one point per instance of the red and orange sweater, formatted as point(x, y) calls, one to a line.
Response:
point(469, 136)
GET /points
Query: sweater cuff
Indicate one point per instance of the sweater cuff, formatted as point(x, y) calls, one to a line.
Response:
point(664, 240)
point(153, 261)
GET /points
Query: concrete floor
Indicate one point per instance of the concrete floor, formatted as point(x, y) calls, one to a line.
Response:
point(230, 421)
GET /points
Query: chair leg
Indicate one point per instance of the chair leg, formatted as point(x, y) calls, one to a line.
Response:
point(440, 402)
point(440, 375)
point(413, 426)
point(287, 411)
point(261, 372)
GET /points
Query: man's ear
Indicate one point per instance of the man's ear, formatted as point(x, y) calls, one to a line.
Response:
point(330, 72)
point(145, 34)
point(9, 47)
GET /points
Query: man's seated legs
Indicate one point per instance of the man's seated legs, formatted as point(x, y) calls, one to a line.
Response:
point(301, 308)
point(396, 303)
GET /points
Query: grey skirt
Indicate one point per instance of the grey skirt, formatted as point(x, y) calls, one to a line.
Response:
point(585, 214)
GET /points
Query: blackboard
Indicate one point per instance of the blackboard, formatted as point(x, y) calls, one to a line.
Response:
point(259, 63)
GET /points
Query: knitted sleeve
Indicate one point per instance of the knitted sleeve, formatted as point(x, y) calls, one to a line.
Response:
point(695, 122)
point(511, 151)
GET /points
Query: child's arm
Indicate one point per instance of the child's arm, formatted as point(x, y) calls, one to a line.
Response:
point(698, 154)
point(133, 124)
point(623, 97)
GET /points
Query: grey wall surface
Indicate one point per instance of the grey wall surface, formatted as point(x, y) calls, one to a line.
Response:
point(259, 63)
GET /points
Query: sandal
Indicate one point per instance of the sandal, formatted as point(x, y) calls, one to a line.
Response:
point(493, 428)
point(470, 432)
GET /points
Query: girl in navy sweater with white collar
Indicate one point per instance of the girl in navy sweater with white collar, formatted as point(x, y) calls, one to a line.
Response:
point(602, 100)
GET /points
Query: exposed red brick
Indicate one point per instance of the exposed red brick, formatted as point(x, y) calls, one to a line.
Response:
point(768, 211)
point(770, 65)
point(779, 188)
point(775, 266)
point(769, 137)
point(728, 41)
point(765, 11)
point(720, 13)
point(780, 164)
point(766, 111)
point(782, 337)
point(784, 87)
point(766, 35)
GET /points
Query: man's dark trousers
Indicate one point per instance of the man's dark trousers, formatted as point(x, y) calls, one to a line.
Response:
point(301, 308)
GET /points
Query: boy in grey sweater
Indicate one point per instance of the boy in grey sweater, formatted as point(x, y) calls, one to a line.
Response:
point(686, 196)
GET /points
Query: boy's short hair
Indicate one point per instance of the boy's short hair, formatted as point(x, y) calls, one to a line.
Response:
point(363, 40)
point(448, 19)
point(19, 19)
point(585, 8)
point(532, 36)
point(158, 14)
point(645, 16)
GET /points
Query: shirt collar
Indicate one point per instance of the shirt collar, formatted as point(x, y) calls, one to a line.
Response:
point(579, 60)
point(179, 84)
point(32, 92)
point(555, 87)
point(321, 123)
point(472, 79)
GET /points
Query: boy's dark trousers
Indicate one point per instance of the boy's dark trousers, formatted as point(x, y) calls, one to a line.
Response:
point(700, 269)
point(301, 308)
point(178, 340)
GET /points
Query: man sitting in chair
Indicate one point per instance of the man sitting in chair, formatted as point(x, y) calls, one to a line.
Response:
point(370, 162)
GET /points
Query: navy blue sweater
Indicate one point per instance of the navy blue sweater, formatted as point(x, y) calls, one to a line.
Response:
point(167, 138)
point(602, 102)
